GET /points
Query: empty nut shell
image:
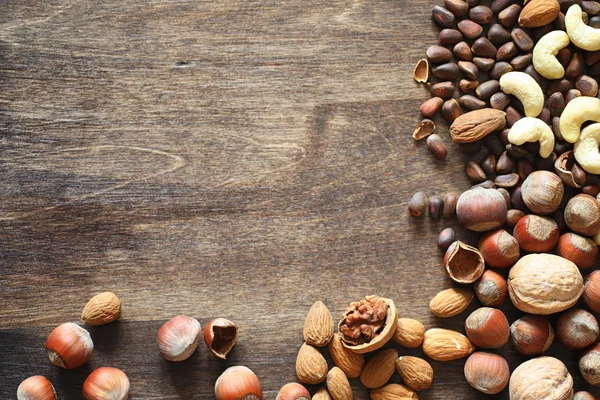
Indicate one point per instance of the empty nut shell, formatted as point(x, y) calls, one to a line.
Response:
point(464, 263)
point(220, 335)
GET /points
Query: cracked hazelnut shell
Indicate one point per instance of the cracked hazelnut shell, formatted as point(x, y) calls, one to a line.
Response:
point(464, 263)
point(219, 336)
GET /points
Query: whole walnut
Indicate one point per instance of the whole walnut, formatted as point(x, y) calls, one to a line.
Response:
point(541, 378)
point(544, 284)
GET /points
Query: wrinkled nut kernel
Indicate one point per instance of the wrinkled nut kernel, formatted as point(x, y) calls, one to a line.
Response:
point(368, 324)
point(409, 333)
point(541, 378)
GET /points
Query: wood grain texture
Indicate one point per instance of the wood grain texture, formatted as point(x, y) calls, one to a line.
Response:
point(213, 158)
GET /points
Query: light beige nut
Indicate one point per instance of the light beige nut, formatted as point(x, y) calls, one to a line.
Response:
point(529, 129)
point(583, 36)
point(379, 369)
point(587, 151)
point(318, 325)
point(544, 54)
point(446, 345)
point(338, 385)
point(409, 333)
point(576, 112)
point(415, 372)
point(476, 125)
point(348, 361)
point(311, 366)
point(541, 378)
point(321, 394)
point(393, 391)
point(451, 302)
point(544, 284)
point(526, 89)
point(102, 309)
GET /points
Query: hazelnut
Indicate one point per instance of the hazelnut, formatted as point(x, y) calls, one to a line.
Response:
point(106, 383)
point(582, 215)
point(293, 391)
point(591, 292)
point(578, 249)
point(487, 327)
point(487, 372)
point(69, 346)
point(513, 216)
point(583, 396)
point(178, 338)
point(541, 378)
point(589, 365)
point(36, 388)
point(481, 210)
point(577, 328)
point(464, 263)
point(531, 334)
point(491, 289)
point(542, 191)
point(238, 383)
point(219, 337)
point(499, 249)
point(536, 233)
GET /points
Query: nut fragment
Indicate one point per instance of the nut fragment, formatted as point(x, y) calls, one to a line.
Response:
point(541, 378)
point(425, 128)
point(220, 335)
point(421, 72)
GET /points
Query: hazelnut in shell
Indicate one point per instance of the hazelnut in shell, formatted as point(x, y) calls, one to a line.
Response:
point(591, 292)
point(237, 383)
point(536, 234)
point(486, 372)
point(219, 337)
point(487, 327)
point(480, 209)
point(577, 328)
point(464, 263)
point(542, 191)
point(541, 378)
point(582, 215)
point(531, 334)
point(106, 383)
point(491, 289)
point(178, 338)
point(499, 249)
point(589, 365)
point(69, 346)
point(293, 391)
point(578, 249)
point(36, 388)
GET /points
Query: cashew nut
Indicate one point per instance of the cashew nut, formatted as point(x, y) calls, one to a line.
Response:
point(577, 111)
point(583, 36)
point(544, 54)
point(526, 89)
point(587, 152)
point(530, 129)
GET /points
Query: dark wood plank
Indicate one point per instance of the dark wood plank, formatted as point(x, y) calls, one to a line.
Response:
point(234, 158)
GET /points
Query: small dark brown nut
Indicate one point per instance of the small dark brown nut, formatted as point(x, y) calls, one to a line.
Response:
point(531, 334)
point(486, 89)
point(487, 184)
point(521, 62)
point(493, 144)
point(509, 16)
point(499, 5)
point(592, 57)
point(450, 200)
point(499, 69)
point(446, 238)
point(468, 69)
point(590, 7)
point(484, 48)
point(498, 34)
point(524, 168)
point(587, 85)
point(592, 189)
point(571, 94)
point(449, 36)
point(436, 145)
point(484, 64)
point(470, 29)
point(589, 365)
point(556, 104)
point(450, 110)
point(442, 17)
point(577, 328)
point(559, 85)
point(474, 172)
point(481, 209)
point(487, 327)
point(445, 90)
point(499, 101)
point(506, 180)
point(447, 72)
point(506, 52)
point(504, 192)
point(431, 107)
point(512, 116)
point(582, 215)
point(522, 39)
point(491, 289)
point(513, 216)
point(505, 164)
point(471, 102)
point(470, 148)
point(463, 51)
point(575, 66)
point(436, 207)
point(438, 54)
point(457, 7)
point(564, 56)
point(542, 192)
point(418, 204)
point(481, 14)
point(559, 22)
point(488, 164)
point(530, 70)
point(467, 86)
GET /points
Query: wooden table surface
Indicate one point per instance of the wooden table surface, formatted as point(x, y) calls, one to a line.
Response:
point(230, 158)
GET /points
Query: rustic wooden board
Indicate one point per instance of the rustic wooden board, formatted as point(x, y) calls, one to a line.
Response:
point(213, 158)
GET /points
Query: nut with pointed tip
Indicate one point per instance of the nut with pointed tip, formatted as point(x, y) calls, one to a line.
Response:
point(393, 391)
point(106, 383)
point(589, 365)
point(178, 338)
point(36, 388)
point(238, 383)
point(338, 385)
point(379, 369)
point(487, 327)
point(415, 372)
point(451, 302)
point(531, 334)
point(409, 333)
point(293, 391)
point(348, 361)
point(220, 335)
point(322, 394)
point(591, 293)
point(311, 366)
point(446, 345)
point(486, 372)
point(69, 346)
point(102, 309)
point(582, 214)
point(318, 325)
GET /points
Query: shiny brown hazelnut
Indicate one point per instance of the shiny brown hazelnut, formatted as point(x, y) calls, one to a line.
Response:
point(481, 210)
point(293, 391)
point(536, 233)
point(589, 365)
point(577, 328)
point(531, 334)
point(464, 263)
point(513, 216)
point(591, 292)
point(491, 289)
point(499, 248)
point(238, 382)
point(578, 249)
point(487, 327)
point(106, 383)
point(582, 215)
point(36, 388)
point(69, 346)
point(486, 372)
point(542, 192)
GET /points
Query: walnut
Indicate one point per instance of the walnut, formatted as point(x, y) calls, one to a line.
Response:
point(541, 378)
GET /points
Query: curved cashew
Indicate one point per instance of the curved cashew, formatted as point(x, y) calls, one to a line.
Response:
point(530, 129)
point(577, 111)
point(544, 54)
point(526, 89)
point(587, 152)
point(583, 36)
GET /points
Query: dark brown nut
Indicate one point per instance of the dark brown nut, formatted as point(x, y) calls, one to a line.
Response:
point(587, 85)
point(564, 56)
point(565, 4)
point(484, 64)
point(531, 334)
point(499, 69)
point(522, 39)
point(472, 3)
point(438, 54)
point(589, 365)
point(470, 29)
point(594, 70)
point(512, 115)
point(491, 289)
point(425, 128)
point(436, 145)
point(575, 66)
point(488, 184)
point(559, 85)
point(513, 216)
point(516, 200)
point(487, 327)
point(499, 101)
point(559, 217)
point(463, 263)
point(450, 110)
point(524, 168)
point(418, 204)
point(484, 48)
point(445, 90)
point(446, 238)
point(503, 136)
point(516, 152)
point(506, 180)
point(442, 17)
point(504, 192)
point(431, 107)
point(529, 70)
point(579, 250)
point(481, 14)
point(457, 7)
point(542, 192)
point(582, 215)
point(590, 7)
point(470, 148)
point(566, 167)
point(556, 104)
point(521, 62)
point(546, 164)
point(556, 131)
point(481, 210)
point(488, 164)
point(499, 5)
point(467, 86)
point(493, 144)
point(447, 72)
point(463, 51)
point(559, 22)
point(471, 102)
point(498, 34)
point(450, 200)
point(536, 13)
point(436, 207)
point(474, 172)
point(592, 57)
point(486, 89)
point(536, 234)
point(592, 189)
point(499, 248)
point(468, 69)
point(449, 36)
point(509, 16)
point(541, 31)
point(591, 292)
point(506, 52)
point(577, 328)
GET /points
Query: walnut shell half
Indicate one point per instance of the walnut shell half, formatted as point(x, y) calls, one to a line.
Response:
point(368, 324)
point(544, 284)
point(541, 378)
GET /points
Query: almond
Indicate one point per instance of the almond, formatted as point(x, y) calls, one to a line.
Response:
point(409, 333)
point(393, 391)
point(102, 309)
point(322, 394)
point(348, 361)
point(415, 372)
point(379, 369)
point(538, 13)
point(446, 345)
point(311, 366)
point(338, 386)
point(451, 302)
point(318, 325)
point(476, 125)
